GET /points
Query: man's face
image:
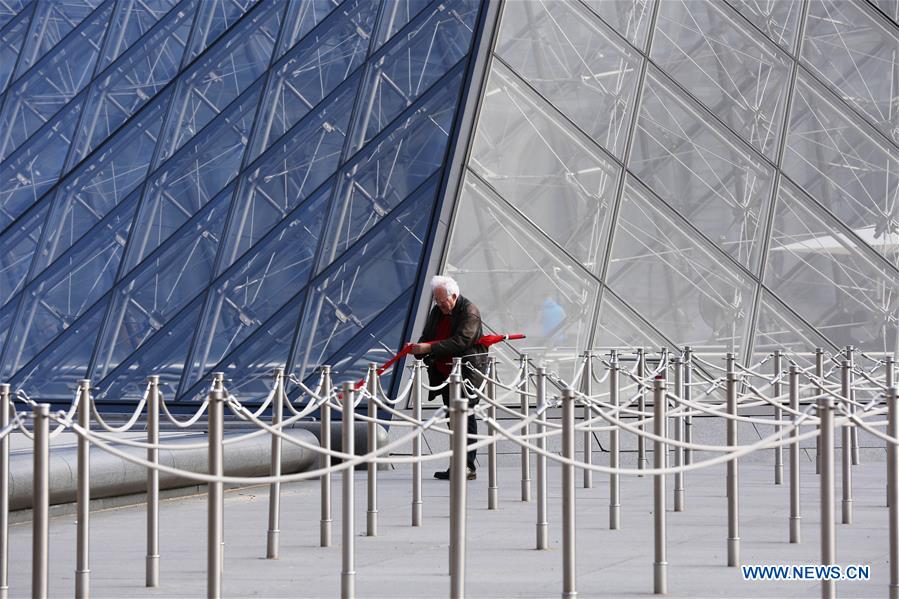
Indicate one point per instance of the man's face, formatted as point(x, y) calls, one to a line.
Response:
point(444, 300)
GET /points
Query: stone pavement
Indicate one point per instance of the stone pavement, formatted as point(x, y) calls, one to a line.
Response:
point(501, 560)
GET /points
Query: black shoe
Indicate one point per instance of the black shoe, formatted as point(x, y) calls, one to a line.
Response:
point(442, 474)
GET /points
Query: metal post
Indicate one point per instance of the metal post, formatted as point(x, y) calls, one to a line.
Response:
point(853, 430)
point(325, 463)
point(348, 568)
point(459, 487)
point(274, 491)
point(660, 454)
point(819, 372)
point(152, 565)
point(371, 521)
point(82, 558)
point(846, 444)
point(215, 503)
point(893, 487)
point(587, 386)
point(614, 451)
point(4, 493)
point(733, 504)
point(542, 524)
point(569, 562)
point(678, 436)
point(688, 395)
point(492, 485)
point(641, 407)
point(778, 414)
point(416, 444)
point(828, 538)
point(795, 506)
point(525, 412)
point(218, 383)
point(40, 523)
point(888, 382)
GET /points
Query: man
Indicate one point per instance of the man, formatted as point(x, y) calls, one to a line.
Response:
point(451, 331)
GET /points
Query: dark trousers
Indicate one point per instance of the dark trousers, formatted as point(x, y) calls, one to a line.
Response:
point(472, 426)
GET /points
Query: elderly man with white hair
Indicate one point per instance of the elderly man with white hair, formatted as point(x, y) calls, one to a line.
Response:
point(452, 330)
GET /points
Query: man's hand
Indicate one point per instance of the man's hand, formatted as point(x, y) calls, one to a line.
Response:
point(421, 349)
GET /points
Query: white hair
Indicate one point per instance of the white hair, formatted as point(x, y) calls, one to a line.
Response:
point(448, 284)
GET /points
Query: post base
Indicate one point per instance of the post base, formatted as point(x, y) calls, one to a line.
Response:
point(660, 578)
point(615, 517)
point(371, 528)
point(794, 529)
point(416, 513)
point(526, 489)
point(347, 585)
point(152, 571)
point(678, 500)
point(492, 498)
point(82, 583)
point(733, 552)
point(271, 551)
point(325, 530)
point(847, 511)
point(542, 535)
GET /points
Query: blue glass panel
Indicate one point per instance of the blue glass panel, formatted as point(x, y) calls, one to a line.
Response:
point(182, 186)
point(396, 14)
point(163, 284)
point(389, 169)
point(66, 290)
point(11, 43)
point(317, 65)
point(215, 19)
point(11, 8)
point(132, 20)
point(52, 21)
point(36, 97)
point(221, 75)
point(249, 293)
point(17, 246)
point(163, 354)
point(138, 76)
point(414, 61)
point(36, 166)
point(290, 171)
point(302, 17)
point(54, 375)
point(248, 369)
point(351, 293)
point(99, 184)
point(6, 315)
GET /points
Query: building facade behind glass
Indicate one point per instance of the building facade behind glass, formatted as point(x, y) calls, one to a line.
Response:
point(229, 185)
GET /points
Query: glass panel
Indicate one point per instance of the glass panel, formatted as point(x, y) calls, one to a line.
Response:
point(630, 18)
point(217, 17)
point(722, 189)
point(11, 43)
point(520, 282)
point(302, 17)
point(828, 278)
point(732, 71)
point(671, 279)
point(777, 18)
point(64, 292)
point(132, 20)
point(351, 293)
point(36, 166)
point(312, 70)
point(183, 185)
point(136, 78)
point(54, 375)
point(98, 185)
point(889, 7)
point(164, 284)
point(52, 21)
point(277, 268)
point(857, 53)
point(6, 316)
point(619, 327)
point(537, 163)
point(848, 171)
point(575, 63)
point(389, 170)
point(777, 328)
point(17, 247)
point(414, 61)
point(395, 16)
point(10, 8)
point(221, 76)
point(290, 171)
point(32, 100)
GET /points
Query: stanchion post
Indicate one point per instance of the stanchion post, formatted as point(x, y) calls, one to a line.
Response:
point(525, 412)
point(569, 559)
point(733, 500)
point(893, 486)
point(688, 395)
point(542, 524)
point(83, 534)
point(215, 499)
point(492, 484)
point(4, 493)
point(458, 487)
point(348, 532)
point(218, 383)
point(828, 537)
point(660, 454)
point(152, 565)
point(416, 443)
point(641, 407)
point(795, 506)
point(888, 363)
point(371, 520)
point(819, 373)
point(325, 460)
point(274, 491)
point(846, 442)
point(587, 386)
point(614, 449)
point(778, 415)
point(40, 522)
point(853, 430)
point(678, 435)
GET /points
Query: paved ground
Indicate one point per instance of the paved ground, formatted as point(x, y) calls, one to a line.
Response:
point(412, 562)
